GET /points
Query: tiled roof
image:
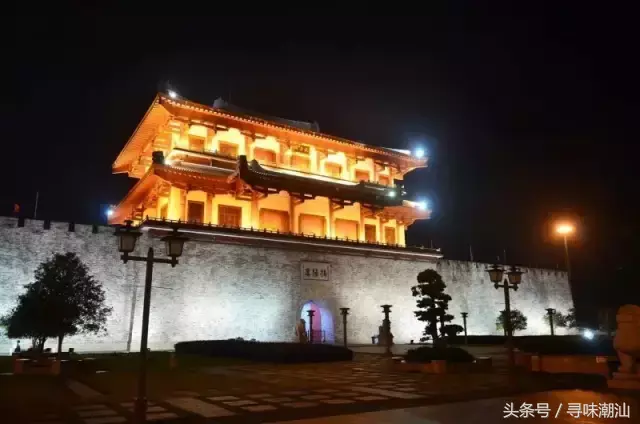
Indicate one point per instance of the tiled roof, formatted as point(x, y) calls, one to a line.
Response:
point(307, 126)
point(164, 107)
point(187, 104)
point(365, 193)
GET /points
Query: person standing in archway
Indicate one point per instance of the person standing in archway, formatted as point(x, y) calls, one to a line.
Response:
point(301, 331)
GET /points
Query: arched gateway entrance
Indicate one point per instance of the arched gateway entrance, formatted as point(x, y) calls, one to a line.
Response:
point(323, 329)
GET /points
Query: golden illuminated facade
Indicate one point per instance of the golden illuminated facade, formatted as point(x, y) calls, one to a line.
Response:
point(222, 168)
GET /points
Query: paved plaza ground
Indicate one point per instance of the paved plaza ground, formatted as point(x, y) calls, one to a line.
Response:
point(348, 392)
point(492, 411)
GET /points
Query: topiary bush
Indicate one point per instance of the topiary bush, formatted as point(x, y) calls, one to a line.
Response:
point(478, 340)
point(428, 354)
point(566, 345)
point(265, 352)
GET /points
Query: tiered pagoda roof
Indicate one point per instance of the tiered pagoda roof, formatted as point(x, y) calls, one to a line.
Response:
point(165, 108)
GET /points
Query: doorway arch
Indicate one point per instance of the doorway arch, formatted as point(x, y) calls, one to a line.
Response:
point(322, 321)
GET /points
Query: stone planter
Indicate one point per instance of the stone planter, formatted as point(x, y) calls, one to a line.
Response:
point(40, 366)
point(578, 364)
point(523, 359)
point(436, 367)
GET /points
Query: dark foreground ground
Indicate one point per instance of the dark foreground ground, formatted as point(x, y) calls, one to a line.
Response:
point(256, 393)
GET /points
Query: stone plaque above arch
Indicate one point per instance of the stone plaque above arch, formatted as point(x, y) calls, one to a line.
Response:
point(315, 271)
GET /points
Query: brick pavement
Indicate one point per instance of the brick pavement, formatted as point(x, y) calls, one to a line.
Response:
point(609, 409)
point(277, 392)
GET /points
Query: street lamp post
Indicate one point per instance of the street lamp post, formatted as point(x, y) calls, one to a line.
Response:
point(311, 313)
point(565, 230)
point(344, 312)
point(514, 277)
point(550, 312)
point(174, 242)
point(386, 329)
point(464, 321)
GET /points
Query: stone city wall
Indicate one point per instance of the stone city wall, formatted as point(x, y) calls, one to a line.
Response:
point(221, 291)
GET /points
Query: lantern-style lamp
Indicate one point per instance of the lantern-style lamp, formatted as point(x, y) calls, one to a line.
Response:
point(127, 237)
point(496, 272)
point(515, 276)
point(174, 243)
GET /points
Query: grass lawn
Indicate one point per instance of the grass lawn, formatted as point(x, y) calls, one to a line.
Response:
point(121, 377)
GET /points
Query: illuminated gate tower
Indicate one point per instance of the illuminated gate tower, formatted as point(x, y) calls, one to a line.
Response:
point(217, 166)
point(226, 176)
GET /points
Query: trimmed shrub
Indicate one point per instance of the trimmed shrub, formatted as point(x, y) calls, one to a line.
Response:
point(566, 345)
point(265, 352)
point(478, 340)
point(428, 354)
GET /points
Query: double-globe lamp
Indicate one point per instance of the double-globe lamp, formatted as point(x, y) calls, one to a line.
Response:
point(174, 244)
point(514, 275)
point(513, 280)
point(128, 236)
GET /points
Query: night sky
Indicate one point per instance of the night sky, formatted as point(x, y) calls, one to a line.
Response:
point(524, 119)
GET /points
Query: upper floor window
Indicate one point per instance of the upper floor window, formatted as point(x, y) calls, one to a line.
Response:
point(264, 156)
point(333, 169)
point(383, 179)
point(362, 175)
point(228, 149)
point(301, 163)
point(196, 143)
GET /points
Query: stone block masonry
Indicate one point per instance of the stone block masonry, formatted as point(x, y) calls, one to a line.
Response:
point(221, 291)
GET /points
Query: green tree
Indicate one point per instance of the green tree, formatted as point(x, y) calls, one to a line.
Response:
point(64, 300)
point(433, 304)
point(570, 319)
point(559, 319)
point(518, 321)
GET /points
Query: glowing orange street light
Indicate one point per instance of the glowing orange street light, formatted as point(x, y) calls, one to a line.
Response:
point(565, 229)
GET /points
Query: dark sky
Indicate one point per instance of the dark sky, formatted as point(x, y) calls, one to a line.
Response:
point(524, 118)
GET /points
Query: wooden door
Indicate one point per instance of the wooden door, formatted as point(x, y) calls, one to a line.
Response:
point(195, 212)
point(390, 235)
point(370, 233)
point(274, 220)
point(230, 216)
point(312, 224)
point(347, 229)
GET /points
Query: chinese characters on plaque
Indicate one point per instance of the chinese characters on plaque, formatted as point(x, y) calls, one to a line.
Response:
point(315, 270)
